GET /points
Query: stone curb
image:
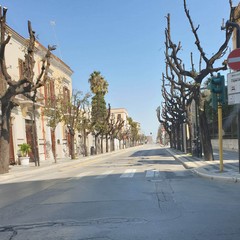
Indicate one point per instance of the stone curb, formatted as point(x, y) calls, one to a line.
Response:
point(202, 172)
point(213, 176)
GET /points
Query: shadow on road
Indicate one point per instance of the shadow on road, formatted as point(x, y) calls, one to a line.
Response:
point(152, 152)
point(169, 162)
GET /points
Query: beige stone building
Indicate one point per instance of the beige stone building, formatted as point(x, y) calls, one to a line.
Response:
point(29, 125)
point(120, 113)
point(125, 131)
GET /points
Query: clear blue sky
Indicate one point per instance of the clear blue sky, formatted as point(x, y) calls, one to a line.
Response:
point(123, 39)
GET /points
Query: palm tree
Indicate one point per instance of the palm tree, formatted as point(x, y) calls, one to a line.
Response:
point(99, 87)
point(97, 83)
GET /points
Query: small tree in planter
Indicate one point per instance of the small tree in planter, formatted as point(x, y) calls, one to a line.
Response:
point(25, 149)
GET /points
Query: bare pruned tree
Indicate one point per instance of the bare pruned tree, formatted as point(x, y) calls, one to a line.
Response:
point(175, 63)
point(27, 84)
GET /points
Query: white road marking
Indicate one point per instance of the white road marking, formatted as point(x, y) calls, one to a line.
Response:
point(105, 174)
point(83, 174)
point(128, 173)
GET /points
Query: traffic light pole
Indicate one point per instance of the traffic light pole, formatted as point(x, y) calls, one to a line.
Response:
point(217, 85)
point(220, 141)
point(233, 24)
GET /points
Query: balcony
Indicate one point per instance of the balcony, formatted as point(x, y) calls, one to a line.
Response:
point(25, 102)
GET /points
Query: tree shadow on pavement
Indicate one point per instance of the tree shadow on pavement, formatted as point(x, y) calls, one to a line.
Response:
point(152, 152)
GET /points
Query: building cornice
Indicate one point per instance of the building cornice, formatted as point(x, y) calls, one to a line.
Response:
point(57, 62)
point(17, 36)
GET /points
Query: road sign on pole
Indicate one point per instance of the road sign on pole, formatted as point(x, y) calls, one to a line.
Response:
point(233, 88)
point(233, 59)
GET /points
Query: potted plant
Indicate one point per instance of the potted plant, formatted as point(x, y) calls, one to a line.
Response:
point(25, 149)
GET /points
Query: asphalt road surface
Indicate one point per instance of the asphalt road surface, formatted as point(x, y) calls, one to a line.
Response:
point(142, 194)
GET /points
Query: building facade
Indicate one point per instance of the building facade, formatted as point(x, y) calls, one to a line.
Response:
point(28, 123)
point(122, 140)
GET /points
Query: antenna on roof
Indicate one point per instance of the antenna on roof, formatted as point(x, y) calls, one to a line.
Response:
point(53, 24)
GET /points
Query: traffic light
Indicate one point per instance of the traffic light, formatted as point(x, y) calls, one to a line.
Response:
point(214, 102)
point(217, 87)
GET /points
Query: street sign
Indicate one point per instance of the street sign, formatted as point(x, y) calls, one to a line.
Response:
point(233, 88)
point(233, 59)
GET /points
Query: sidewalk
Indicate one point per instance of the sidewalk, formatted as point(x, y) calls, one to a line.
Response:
point(210, 169)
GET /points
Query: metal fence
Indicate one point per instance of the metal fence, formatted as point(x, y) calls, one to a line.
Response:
point(230, 126)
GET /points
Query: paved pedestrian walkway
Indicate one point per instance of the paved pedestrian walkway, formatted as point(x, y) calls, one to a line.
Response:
point(211, 169)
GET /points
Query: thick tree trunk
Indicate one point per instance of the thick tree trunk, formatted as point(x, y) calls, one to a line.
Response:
point(4, 139)
point(101, 143)
point(4, 149)
point(112, 144)
point(53, 138)
point(85, 143)
point(205, 137)
point(96, 144)
point(179, 136)
point(171, 140)
point(174, 137)
point(189, 133)
point(72, 148)
point(107, 149)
